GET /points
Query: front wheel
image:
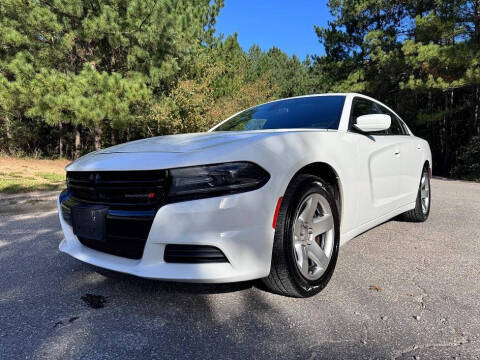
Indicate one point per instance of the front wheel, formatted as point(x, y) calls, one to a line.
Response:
point(422, 205)
point(307, 239)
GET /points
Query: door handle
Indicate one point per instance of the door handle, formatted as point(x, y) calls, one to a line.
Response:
point(397, 151)
point(419, 147)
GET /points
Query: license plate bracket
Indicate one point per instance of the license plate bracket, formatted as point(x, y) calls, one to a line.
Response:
point(88, 221)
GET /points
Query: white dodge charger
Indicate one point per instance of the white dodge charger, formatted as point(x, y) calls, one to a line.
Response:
point(272, 193)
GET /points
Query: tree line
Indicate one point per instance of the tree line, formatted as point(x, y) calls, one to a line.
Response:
point(79, 75)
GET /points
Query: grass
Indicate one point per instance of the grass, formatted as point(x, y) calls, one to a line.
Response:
point(52, 177)
point(19, 175)
point(14, 187)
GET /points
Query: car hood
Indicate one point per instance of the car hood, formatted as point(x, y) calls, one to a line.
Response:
point(165, 152)
point(181, 143)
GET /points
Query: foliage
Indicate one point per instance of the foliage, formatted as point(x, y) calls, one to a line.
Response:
point(211, 90)
point(468, 161)
point(93, 64)
point(77, 75)
point(420, 57)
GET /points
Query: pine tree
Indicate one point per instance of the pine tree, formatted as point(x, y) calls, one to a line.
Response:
point(95, 64)
point(420, 57)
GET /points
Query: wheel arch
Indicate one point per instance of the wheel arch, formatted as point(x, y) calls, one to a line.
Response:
point(330, 176)
point(426, 164)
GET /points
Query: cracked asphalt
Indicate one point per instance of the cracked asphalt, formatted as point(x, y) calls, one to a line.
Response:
point(400, 291)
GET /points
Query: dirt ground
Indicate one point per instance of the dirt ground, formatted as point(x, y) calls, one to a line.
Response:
point(27, 174)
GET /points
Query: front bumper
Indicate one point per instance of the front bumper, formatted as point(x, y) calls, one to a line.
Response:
point(239, 225)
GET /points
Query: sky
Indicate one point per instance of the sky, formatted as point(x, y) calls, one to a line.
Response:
point(287, 24)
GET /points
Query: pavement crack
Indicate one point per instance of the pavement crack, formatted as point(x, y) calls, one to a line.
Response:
point(401, 353)
point(424, 293)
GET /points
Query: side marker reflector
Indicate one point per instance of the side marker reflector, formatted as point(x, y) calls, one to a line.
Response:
point(277, 209)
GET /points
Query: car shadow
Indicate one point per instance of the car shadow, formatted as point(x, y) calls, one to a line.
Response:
point(172, 286)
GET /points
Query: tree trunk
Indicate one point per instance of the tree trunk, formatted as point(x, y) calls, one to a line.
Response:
point(476, 123)
point(60, 142)
point(98, 136)
point(476, 22)
point(430, 124)
point(77, 142)
point(9, 135)
point(453, 134)
point(443, 136)
point(113, 139)
point(447, 157)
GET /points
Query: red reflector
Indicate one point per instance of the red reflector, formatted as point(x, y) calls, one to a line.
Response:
point(277, 209)
point(151, 195)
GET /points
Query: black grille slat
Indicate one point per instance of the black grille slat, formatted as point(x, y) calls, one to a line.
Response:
point(118, 186)
point(151, 183)
point(80, 182)
point(115, 188)
point(193, 254)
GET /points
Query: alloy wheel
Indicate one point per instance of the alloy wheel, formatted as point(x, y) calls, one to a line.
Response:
point(425, 192)
point(313, 236)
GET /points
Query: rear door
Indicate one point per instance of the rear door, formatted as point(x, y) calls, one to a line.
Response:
point(378, 165)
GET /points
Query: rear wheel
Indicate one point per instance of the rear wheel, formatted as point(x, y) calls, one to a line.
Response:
point(307, 239)
point(422, 204)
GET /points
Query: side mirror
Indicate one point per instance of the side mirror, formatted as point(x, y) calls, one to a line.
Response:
point(373, 122)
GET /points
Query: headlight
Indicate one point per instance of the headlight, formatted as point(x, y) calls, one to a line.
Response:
point(215, 180)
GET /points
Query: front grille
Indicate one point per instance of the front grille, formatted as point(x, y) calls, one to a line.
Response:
point(118, 187)
point(193, 254)
point(132, 197)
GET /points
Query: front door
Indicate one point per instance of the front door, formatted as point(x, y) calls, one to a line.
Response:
point(379, 164)
point(411, 158)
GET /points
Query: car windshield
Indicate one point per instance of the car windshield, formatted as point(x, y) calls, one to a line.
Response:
point(315, 112)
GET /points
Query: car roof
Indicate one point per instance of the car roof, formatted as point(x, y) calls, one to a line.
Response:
point(319, 94)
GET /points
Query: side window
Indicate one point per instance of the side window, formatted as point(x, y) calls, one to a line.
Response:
point(397, 127)
point(360, 107)
point(405, 128)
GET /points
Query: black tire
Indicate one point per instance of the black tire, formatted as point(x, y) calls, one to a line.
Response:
point(285, 277)
point(418, 214)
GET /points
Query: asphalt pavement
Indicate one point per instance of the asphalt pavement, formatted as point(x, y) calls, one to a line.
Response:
point(400, 291)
